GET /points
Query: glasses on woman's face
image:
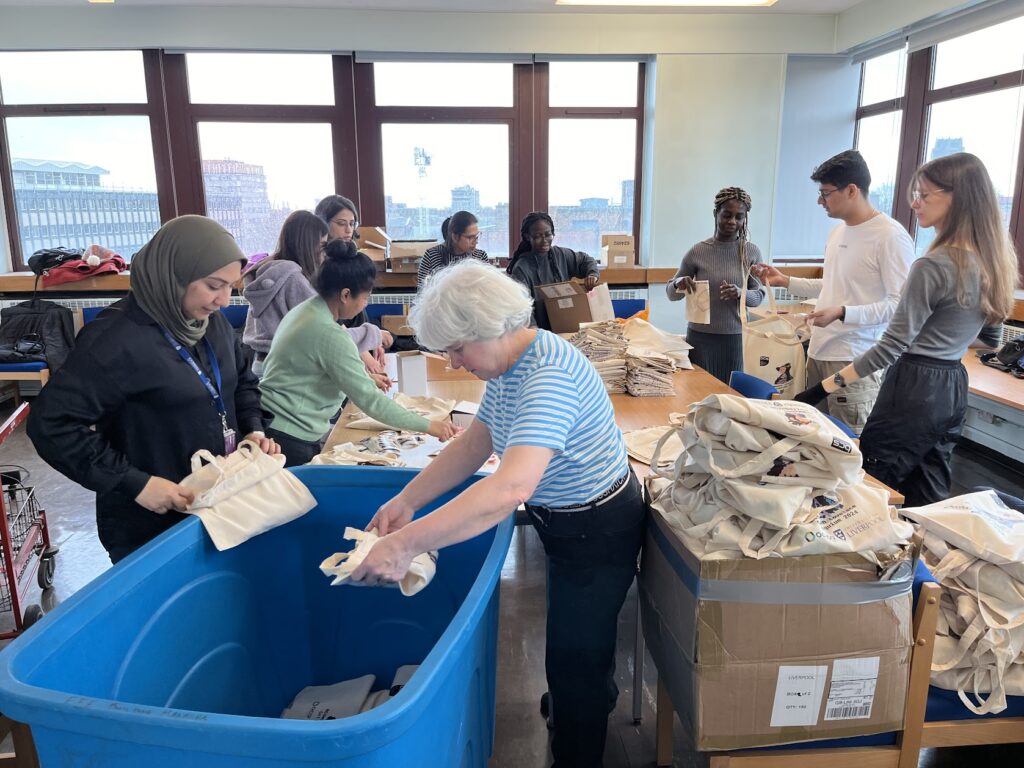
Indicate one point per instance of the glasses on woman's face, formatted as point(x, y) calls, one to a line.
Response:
point(471, 238)
point(345, 223)
point(920, 196)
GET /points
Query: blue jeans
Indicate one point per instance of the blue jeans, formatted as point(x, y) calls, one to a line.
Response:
point(592, 560)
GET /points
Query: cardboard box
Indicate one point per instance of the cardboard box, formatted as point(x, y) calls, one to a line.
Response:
point(406, 254)
point(763, 652)
point(569, 304)
point(464, 412)
point(411, 373)
point(396, 325)
point(618, 250)
point(375, 243)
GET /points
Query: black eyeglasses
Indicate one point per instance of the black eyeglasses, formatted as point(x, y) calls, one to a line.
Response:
point(823, 195)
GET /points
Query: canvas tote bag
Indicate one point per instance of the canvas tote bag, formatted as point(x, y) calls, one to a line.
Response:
point(341, 564)
point(244, 494)
point(773, 349)
point(430, 408)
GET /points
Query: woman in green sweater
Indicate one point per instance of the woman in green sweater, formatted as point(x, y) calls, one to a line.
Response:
point(313, 364)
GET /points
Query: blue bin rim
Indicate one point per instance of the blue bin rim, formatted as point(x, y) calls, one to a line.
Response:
point(267, 738)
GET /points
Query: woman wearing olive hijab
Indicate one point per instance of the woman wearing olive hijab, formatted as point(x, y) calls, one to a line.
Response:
point(160, 376)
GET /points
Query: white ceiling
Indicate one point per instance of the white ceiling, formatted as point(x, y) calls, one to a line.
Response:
point(489, 6)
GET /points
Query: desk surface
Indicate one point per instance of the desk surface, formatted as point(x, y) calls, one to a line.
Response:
point(630, 412)
point(992, 383)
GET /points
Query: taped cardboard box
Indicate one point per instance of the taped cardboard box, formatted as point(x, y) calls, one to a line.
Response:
point(406, 254)
point(756, 653)
point(569, 304)
point(618, 250)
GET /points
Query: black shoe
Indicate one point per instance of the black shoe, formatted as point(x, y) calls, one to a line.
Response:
point(545, 710)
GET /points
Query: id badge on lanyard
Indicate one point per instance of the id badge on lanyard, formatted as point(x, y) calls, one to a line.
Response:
point(230, 438)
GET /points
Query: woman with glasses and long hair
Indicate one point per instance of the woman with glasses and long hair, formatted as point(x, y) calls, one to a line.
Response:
point(537, 261)
point(460, 233)
point(724, 260)
point(284, 281)
point(956, 297)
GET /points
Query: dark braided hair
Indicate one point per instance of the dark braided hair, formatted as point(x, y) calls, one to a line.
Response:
point(524, 233)
point(723, 197)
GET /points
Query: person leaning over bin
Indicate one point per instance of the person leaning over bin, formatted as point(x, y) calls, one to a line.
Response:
point(546, 413)
point(537, 262)
point(956, 296)
point(313, 362)
point(160, 375)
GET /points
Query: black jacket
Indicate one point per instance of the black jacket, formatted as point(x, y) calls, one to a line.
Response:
point(558, 266)
point(150, 410)
point(49, 323)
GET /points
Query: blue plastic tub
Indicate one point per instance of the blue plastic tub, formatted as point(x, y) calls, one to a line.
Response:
point(185, 656)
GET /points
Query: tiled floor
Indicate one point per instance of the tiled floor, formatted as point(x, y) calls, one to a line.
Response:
point(522, 739)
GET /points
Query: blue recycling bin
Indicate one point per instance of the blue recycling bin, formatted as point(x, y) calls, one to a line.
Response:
point(186, 656)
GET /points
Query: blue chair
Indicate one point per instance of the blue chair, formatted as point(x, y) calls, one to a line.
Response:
point(751, 386)
point(236, 314)
point(842, 425)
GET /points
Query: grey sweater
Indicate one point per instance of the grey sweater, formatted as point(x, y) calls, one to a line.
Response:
point(929, 320)
point(715, 261)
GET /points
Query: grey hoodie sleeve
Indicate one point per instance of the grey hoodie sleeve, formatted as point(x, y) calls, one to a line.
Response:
point(366, 336)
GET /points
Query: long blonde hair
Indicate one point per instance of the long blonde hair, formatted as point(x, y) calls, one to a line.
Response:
point(973, 225)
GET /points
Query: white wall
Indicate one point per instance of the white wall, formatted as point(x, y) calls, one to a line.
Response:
point(818, 116)
point(717, 125)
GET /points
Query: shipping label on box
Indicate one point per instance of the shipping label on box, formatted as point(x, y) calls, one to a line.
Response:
point(569, 304)
point(764, 652)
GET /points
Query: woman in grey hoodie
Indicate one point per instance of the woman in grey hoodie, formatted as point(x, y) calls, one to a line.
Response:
point(283, 281)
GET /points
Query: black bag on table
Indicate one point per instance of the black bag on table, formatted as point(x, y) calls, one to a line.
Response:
point(36, 331)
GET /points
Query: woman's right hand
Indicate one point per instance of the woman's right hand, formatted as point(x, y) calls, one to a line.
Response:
point(162, 496)
point(373, 365)
point(769, 275)
point(442, 430)
point(684, 284)
point(391, 516)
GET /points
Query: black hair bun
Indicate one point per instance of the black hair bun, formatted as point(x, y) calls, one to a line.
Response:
point(341, 249)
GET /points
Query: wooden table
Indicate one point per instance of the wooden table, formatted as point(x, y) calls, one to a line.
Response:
point(993, 384)
point(630, 412)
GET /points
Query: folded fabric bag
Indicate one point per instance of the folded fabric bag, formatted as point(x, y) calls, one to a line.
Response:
point(244, 494)
point(329, 702)
point(341, 564)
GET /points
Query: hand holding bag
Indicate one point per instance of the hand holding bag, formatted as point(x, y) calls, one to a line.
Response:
point(773, 349)
point(341, 564)
point(244, 494)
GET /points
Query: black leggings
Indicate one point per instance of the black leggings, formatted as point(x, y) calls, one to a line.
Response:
point(297, 452)
point(910, 435)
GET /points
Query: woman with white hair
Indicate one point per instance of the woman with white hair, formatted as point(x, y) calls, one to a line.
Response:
point(545, 412)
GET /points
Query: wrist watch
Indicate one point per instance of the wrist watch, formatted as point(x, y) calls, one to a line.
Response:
point(839, 380)
point(842, 314)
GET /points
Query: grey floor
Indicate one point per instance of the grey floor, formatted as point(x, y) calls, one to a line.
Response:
point(521, 738)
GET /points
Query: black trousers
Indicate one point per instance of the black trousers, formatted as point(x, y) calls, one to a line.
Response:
point(717, 353)
point(592, 559)
point(910, 435)
point(297, 452)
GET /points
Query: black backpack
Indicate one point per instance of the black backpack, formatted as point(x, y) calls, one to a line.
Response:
point(1009, 357)
point(36, 331)
point(47, 258)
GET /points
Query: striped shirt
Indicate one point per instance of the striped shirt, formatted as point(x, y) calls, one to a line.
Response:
point(552, 397)
point(439, 257)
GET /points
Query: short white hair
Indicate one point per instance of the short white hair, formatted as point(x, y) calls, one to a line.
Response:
point(469, 301)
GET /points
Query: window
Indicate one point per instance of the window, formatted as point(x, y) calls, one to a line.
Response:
point(115, 151)
point(878, 140)
point(585, 198)
point(593, 83)
point(431, 171)
point(72, 77)
point(884, 77)
point(442, 84)
point(260, 78)
point(995, 50)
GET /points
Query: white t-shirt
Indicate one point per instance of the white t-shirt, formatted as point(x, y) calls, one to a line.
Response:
point(865, 269)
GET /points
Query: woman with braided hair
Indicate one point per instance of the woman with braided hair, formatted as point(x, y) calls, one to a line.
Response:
point(538, 262)
point(724, 261)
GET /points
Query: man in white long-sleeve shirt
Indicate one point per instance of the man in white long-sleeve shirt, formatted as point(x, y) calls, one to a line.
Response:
point(867, 258)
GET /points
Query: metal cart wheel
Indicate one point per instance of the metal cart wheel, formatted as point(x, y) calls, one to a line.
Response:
point(47, 566)
point(33, 613)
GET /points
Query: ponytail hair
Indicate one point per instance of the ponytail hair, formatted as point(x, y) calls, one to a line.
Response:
point(344, 267)
point(455, 226)
point(524, 234)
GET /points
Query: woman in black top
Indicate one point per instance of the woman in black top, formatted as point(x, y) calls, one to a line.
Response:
point(538, 262)
point(161, 375)
point(460, 234)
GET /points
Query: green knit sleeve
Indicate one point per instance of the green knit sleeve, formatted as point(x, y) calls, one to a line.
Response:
point(341, 360)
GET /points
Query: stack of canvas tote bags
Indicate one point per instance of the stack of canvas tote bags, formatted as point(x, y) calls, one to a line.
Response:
point(772, 478)
point(604, 345)
point(974, 546)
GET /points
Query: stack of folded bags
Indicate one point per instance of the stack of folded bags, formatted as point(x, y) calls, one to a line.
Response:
point(648, 373)
point(772, 478)
point(604, 345)
point(345, 699)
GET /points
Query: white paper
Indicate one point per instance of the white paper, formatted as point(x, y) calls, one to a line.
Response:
point(565, 303)
point(798, 694)
point(698, 303)
point(852, 691)
point(558, 289)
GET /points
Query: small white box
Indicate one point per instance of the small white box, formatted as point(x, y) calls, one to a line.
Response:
point(412, 373)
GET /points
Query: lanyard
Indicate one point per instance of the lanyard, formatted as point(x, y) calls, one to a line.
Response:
point(218, 401)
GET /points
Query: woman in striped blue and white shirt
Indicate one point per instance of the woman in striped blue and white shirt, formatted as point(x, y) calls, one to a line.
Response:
point(546, 413)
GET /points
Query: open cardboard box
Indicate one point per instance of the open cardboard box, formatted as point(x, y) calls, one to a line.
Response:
point(375, 243)
point(406, 254)
point(569, 304)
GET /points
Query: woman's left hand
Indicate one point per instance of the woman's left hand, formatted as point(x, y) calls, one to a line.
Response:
point(266, 444)
point(590, 282)
point(728, 291)
point(386, 563)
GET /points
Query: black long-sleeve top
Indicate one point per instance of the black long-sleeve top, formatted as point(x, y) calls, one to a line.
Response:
point(557, 266)
point(150, 410)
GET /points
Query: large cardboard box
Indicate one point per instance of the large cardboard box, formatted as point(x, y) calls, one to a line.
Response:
point(406, 254)
point(375, 243)
point(396, 325)
point(569, 304)
point(618, 250)
point(775, 651)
